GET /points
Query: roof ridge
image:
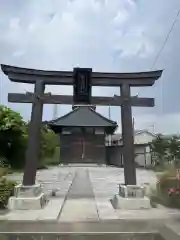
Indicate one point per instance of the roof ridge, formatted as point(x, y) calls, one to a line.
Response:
point(66, 115)
point(82, 117)
point(76, 109)
point(100, 115)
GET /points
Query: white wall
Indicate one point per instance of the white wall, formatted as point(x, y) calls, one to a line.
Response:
point(140, 155)
point(143, 156)
point(143, 138)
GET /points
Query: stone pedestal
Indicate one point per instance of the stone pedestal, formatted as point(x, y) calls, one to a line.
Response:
point(131, 197)
point(131, 191)
point(27, 197)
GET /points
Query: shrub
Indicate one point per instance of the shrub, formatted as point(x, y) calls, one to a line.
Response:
point(54, 160)
point(168, 188)
point(6, 191)
point(3, 171)
point(41, 166)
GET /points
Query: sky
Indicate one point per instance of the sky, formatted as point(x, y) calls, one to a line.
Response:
point(105, 35)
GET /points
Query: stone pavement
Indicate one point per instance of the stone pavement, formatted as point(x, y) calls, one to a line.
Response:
point(80, 202)
point(83, 195)
point(51, 179)
point(81, 186)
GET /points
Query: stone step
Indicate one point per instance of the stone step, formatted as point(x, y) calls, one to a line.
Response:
point(81, 236)
point(171, 231)
point(129, 226)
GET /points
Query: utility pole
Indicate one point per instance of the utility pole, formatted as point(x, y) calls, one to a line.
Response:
point(152, 128)
point(133, 123)
point(55, 111)
point(109, 113)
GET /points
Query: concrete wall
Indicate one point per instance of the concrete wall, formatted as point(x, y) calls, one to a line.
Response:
point(142, 150)
point(142, 155)
point(115, 155)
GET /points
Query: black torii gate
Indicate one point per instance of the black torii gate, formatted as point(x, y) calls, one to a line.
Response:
point(40, 78)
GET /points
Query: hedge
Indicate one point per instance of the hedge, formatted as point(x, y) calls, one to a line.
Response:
point(6, 191)
point(167, 182)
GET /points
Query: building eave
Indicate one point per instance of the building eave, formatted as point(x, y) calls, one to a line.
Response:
point(63, 122)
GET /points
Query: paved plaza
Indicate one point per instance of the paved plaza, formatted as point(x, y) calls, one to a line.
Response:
point(83, 193)
point(103, 180)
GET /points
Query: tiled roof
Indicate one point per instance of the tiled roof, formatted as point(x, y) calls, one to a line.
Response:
point(83, 116)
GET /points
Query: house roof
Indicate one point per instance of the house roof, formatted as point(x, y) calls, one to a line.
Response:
point(83, 116)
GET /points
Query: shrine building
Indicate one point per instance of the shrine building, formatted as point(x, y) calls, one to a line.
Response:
point(82, 135)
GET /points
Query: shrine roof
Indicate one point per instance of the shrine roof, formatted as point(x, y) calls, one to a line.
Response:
point(82, 116)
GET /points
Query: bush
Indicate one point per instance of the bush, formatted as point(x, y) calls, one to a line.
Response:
point(53, 160)
point(14, 139)
point(6, 191)
point(168, 188)
point(41, 166)
point(3, 171)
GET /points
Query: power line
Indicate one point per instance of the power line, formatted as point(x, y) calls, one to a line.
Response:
point(166, 39)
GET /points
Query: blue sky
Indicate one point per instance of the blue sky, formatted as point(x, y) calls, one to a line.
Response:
point(107, 35)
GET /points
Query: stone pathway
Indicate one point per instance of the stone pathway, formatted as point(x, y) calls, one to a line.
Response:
point(80, 204)
point(81, 185)
point(83, 194)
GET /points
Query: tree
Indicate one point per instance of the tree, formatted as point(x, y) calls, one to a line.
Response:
point(159, 147)
point(12, 136)
point(49, 142)
point(174, 149)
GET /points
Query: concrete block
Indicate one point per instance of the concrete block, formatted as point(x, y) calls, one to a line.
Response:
point(27, 197)
point(27, 203)
point(131, 191)
point(119, 202)
point(27, 191)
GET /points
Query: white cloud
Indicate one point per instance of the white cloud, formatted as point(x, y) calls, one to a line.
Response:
point(107, 35)
point(14, 24)
point(18, 53)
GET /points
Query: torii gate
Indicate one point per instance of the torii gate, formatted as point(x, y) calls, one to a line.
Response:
point(40, 78)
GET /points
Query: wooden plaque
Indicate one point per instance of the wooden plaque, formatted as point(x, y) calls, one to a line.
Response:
point(82, 85)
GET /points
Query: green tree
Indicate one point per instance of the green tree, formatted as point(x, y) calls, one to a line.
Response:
point(174, 149)
point(49, 142)
point(159, 148)
point(12, 136)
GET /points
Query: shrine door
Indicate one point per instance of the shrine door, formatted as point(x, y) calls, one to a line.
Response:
point(83, 150)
